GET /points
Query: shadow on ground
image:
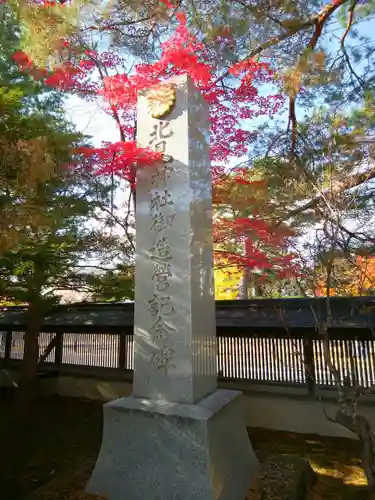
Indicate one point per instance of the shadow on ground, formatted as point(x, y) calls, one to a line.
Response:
point(335, 461)
point(50, 456)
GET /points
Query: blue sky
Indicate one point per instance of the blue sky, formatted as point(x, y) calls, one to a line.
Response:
point(90, 118)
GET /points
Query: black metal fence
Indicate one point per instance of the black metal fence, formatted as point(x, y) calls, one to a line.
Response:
point(270, 357)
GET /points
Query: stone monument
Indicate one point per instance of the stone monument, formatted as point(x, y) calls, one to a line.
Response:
point(177, 437)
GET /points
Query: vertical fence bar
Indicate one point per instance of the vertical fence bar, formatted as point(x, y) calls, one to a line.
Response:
point(371, 364)
point(272, 355)
point(241, 355)
point(357, 362)
point(248, 359)
point(122, 357)
point(291, 369)
point(308, 358)
point(8, 344)
point(59, 347)
point(351, 360)
point(366, 371)
point(219, 350)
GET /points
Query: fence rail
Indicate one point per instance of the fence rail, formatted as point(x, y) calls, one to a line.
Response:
point(241, 356)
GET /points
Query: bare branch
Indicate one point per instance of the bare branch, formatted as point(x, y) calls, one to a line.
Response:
point(342, 42)
point(336, 190)
point(318, 19)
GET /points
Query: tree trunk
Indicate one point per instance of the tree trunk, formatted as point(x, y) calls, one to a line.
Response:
point(361, 427)
point(47, 351)
point(243, 293)
point(29, 367)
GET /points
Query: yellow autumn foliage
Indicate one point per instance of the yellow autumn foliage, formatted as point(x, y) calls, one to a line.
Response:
point(349, 278)
point(227, 282)
point(240, 195)
point(45, 27)
point(26, 165)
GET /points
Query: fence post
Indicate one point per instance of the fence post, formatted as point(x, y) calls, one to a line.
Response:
point(8, 344)
point(220, 371)
point(58, 348)
point(122, 351)
point(308, 358)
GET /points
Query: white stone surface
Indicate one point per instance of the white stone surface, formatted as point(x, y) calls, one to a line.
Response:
point(177, 437)
point(174, 332)
point(165, 451)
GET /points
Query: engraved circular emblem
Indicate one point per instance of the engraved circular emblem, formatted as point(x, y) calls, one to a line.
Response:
point(161, 100)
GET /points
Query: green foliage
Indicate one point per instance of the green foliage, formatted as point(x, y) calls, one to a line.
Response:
point(314, 153)
point(43, 28)
point(114, 286)
point(46, 255)
point(47, 195)
point(35, 139)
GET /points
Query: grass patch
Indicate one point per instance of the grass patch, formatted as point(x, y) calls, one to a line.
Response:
point(50, 457)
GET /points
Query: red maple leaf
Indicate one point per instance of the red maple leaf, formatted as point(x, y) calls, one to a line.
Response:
point(228, 106)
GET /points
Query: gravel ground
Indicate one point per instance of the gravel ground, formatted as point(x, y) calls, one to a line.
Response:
point(51, 455)
point(281, 477)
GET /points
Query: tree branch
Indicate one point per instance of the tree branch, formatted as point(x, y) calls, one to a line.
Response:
point(115, 25)
point(319, 23)
point(47, 351)
point(336, 190)
point(319, 18)
point(342, 42)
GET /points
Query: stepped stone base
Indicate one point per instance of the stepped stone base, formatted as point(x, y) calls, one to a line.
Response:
point(154, 450)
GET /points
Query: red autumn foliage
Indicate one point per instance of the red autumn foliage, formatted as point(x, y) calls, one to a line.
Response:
point(228, 107)
point(121, 157)
point(50, 3)
point(182, 53)
point(262, 245)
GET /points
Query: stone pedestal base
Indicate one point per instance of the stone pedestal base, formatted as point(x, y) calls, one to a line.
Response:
point(166, 451)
